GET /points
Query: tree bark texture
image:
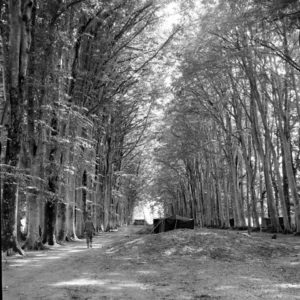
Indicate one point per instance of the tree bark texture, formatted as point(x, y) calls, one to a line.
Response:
point(18, 44)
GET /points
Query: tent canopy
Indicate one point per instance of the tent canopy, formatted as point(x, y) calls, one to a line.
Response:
point(171, 223)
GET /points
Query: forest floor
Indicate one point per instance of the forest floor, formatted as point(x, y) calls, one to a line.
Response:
point(180, 264)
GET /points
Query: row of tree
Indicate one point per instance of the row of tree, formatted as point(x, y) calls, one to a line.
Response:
point(230, 151)
point(75, 105)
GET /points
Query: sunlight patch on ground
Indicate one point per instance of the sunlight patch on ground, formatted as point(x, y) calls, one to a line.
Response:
point(226, 287)
point(20, 263)
point(120, 286)
point(289, 285)
point(206, 233)
point(146, 272)
point(97, 245)
point(37, 259)
point(253, 278)
point(81, 247)
point(113, 274)
point(36, 266)
point(114, 288)
point(136, 241)
point(24, 260)
point(80, 282)
point(170, 251)
point(271, 290)
point(16, 265)
point(126, 258)
point(111, 251)
point(130, 285)
point(75, 251)
point(111, 285)
point(188, 249)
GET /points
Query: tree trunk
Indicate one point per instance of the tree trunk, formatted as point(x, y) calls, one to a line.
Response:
point(61, 224)
point(49, 223)
point(33, 239)
point(19, 43)
point(239, 220)
point(226, 199)
point(291, 179)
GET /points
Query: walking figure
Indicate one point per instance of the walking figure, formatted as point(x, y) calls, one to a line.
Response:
point(89, 230)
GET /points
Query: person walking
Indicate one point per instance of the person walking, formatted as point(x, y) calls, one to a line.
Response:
point(89, 230)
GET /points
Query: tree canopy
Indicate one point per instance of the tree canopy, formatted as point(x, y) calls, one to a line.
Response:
point(193, 105)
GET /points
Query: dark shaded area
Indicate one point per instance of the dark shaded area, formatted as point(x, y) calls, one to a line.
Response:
point(171, 223)
point(49, 223)
point(267, 226)
point(139, 222)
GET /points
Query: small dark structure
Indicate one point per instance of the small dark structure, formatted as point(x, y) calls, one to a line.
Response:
point(171, 223)
point(139, 222)
point(266, 223)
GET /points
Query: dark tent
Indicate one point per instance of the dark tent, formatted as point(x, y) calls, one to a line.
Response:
point(171, 223)
point(139, 222)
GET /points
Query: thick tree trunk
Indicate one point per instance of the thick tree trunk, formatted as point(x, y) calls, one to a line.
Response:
point(34, 234)
point(35, 150)
point(10, 216)
point(19, 43)
point(49, 223)
point(33, 239)
point(61, 224)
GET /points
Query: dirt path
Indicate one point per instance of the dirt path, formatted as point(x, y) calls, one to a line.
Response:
point(174, 265)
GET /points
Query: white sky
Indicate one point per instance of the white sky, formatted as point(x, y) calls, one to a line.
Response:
point(170, 17)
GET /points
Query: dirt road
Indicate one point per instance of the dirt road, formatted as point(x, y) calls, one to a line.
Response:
point(182, 264)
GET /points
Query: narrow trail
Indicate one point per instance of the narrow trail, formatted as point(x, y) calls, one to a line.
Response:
point(175, 265)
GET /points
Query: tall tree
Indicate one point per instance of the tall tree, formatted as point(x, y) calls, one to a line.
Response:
point(18, 44)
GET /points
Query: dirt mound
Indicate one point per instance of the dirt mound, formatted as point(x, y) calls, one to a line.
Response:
point(215, 244)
